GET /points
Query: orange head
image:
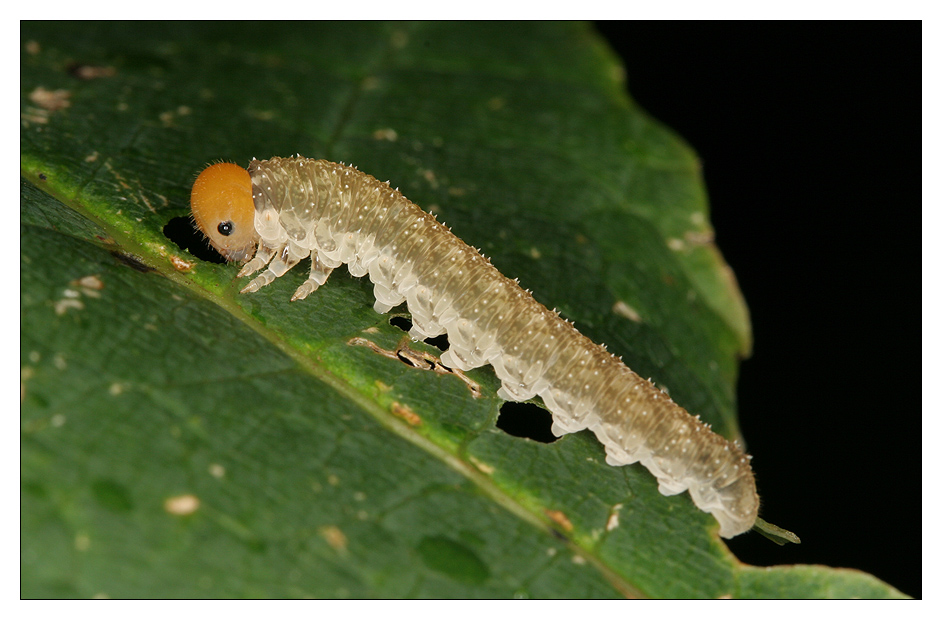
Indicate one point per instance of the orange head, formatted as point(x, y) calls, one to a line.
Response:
point(222, 207)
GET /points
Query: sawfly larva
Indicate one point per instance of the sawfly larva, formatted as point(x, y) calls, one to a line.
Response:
point(286, 209)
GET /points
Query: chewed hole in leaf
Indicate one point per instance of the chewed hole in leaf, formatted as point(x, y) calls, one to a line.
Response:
point(526, 420)
point(403, 323)
point(180, 230)
point(439, 342)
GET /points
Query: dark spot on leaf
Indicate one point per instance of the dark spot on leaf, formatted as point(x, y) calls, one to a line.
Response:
point(526, 420)
point(36, 489)
point(42, 177)
point(181, 231)
point(112, 495)
point(37, 400)
point(558, 535)
point(255, 545)
point(452, 559)
point(132, 261)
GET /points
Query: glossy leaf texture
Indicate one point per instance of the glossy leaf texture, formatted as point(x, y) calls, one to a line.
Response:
point(181, 440)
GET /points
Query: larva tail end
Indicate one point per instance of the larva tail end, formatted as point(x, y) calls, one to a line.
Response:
point(223, 209)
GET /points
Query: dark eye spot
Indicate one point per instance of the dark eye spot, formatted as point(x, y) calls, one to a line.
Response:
point(226, 228)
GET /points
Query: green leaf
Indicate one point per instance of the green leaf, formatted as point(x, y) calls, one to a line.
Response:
point(181, 440)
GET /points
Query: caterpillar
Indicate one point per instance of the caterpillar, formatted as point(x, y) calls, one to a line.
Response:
point(283, 210)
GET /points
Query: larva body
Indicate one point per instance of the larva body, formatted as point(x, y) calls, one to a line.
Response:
point(336, 214)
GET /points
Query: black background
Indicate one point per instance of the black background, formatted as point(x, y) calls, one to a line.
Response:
point(810, 138)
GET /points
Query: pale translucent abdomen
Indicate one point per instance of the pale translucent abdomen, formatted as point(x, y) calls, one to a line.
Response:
point(339, 215)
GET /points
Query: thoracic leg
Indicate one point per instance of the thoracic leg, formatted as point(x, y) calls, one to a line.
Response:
point(319, 274)
point(290, 256)
point(263, 254)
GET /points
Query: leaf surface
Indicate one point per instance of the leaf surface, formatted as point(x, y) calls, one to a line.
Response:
point(181, 440)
